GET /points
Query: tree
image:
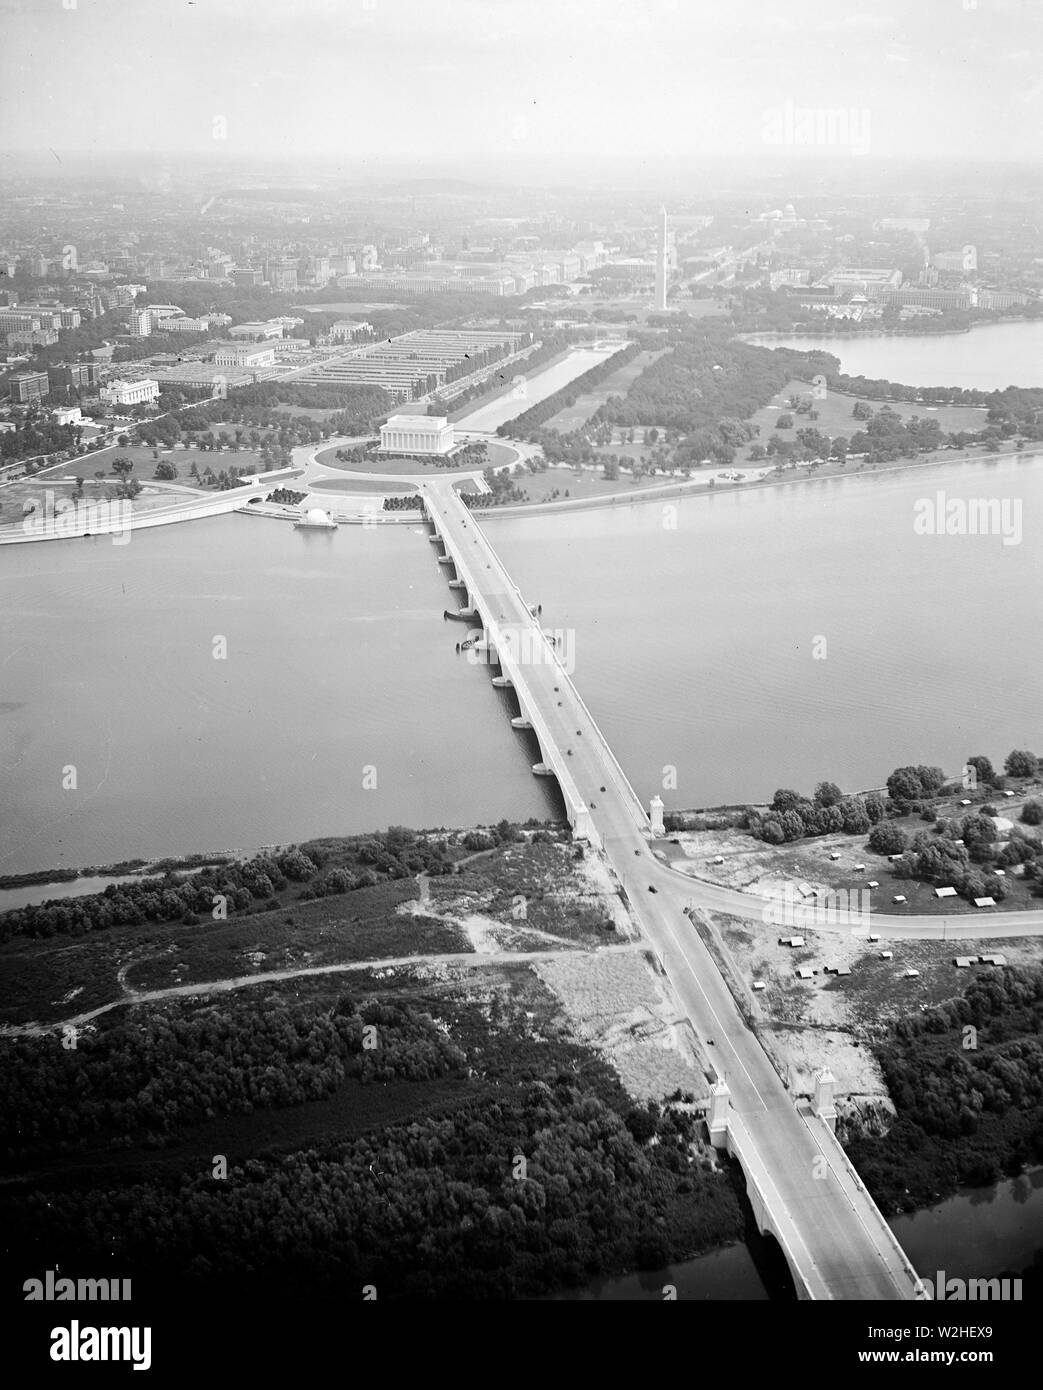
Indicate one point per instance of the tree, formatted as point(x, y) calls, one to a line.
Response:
point(1021, 763)
point(827, 794)
point(854, 815)
point(862, 411)
point(1032, 813)
point(887, 838)
point(932, 779)
point(784, 422)
point(875, 808)
point(165, 471)
point(122, 467)
point(983, 770)
point(978, 833)
point(904, 785)
point(785, 799)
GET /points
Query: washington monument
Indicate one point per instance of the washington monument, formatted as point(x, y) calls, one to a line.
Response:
point(661, 263)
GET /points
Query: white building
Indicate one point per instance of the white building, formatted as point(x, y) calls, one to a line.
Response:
point(245, 355)
point(269, 329)
point(416, 434)
point(67, 415)
point(142, 392)
point(140, 323)
point(346, 329)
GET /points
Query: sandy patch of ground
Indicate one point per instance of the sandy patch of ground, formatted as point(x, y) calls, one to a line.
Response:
point(620, 1006)
point(830, 1020)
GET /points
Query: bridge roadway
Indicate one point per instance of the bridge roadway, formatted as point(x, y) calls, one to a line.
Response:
point(802, 1187)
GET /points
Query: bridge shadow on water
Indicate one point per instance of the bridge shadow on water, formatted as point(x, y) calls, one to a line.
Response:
point(764, 1250)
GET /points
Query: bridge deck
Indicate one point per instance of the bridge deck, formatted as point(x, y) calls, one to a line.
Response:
point(837, 1242)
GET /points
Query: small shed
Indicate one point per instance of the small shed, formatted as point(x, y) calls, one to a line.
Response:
point(803, 973)
point(860, 868)
point(945, 892)
point(963, 962)
point(910, 974)
point(984, 902)
point(872, 883)
point(887, 955)
point(993, 960)
point(899, 898)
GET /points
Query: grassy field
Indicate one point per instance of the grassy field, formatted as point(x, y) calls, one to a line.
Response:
point(835, 418)
point(353, 487)
point(540, 487)
point(573, 416)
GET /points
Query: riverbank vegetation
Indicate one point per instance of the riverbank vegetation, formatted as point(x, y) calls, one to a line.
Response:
point(244, 887)
point(966, 1079)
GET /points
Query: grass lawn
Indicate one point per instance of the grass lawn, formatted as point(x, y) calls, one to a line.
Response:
point(360, 486)
point(835, 418)
point(541, 487)
point(573, 416)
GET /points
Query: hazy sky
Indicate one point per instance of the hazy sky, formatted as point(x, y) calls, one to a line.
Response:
point(353, 80)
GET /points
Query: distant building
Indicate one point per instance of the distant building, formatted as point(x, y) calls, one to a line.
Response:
point(178, 323)
point(961, 262)
point(18, 321)
point(244, 355)
point(25, 387)
point(268, 329)
point(1001, 299)
point(73, 376)
point(246, 275)
point(416, 434)
point(788, 276)
point(67, 415)
point(282, 273)
point(139, 325)
point(142, 392)
point(346, 330)
point(35, 337)
point(928, 298)
point(871, 282)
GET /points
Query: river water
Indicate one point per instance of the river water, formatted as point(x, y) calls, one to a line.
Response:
point(991, 356)
point(979, 1233)
point(341, 704)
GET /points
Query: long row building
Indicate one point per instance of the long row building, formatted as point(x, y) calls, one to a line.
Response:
point(413, 364)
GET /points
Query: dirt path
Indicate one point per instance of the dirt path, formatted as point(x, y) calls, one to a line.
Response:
point(154, 996)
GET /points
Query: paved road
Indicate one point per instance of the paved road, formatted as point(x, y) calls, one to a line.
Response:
point(843, 1247)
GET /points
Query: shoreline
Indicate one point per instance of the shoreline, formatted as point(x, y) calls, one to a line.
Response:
point(681, 488)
